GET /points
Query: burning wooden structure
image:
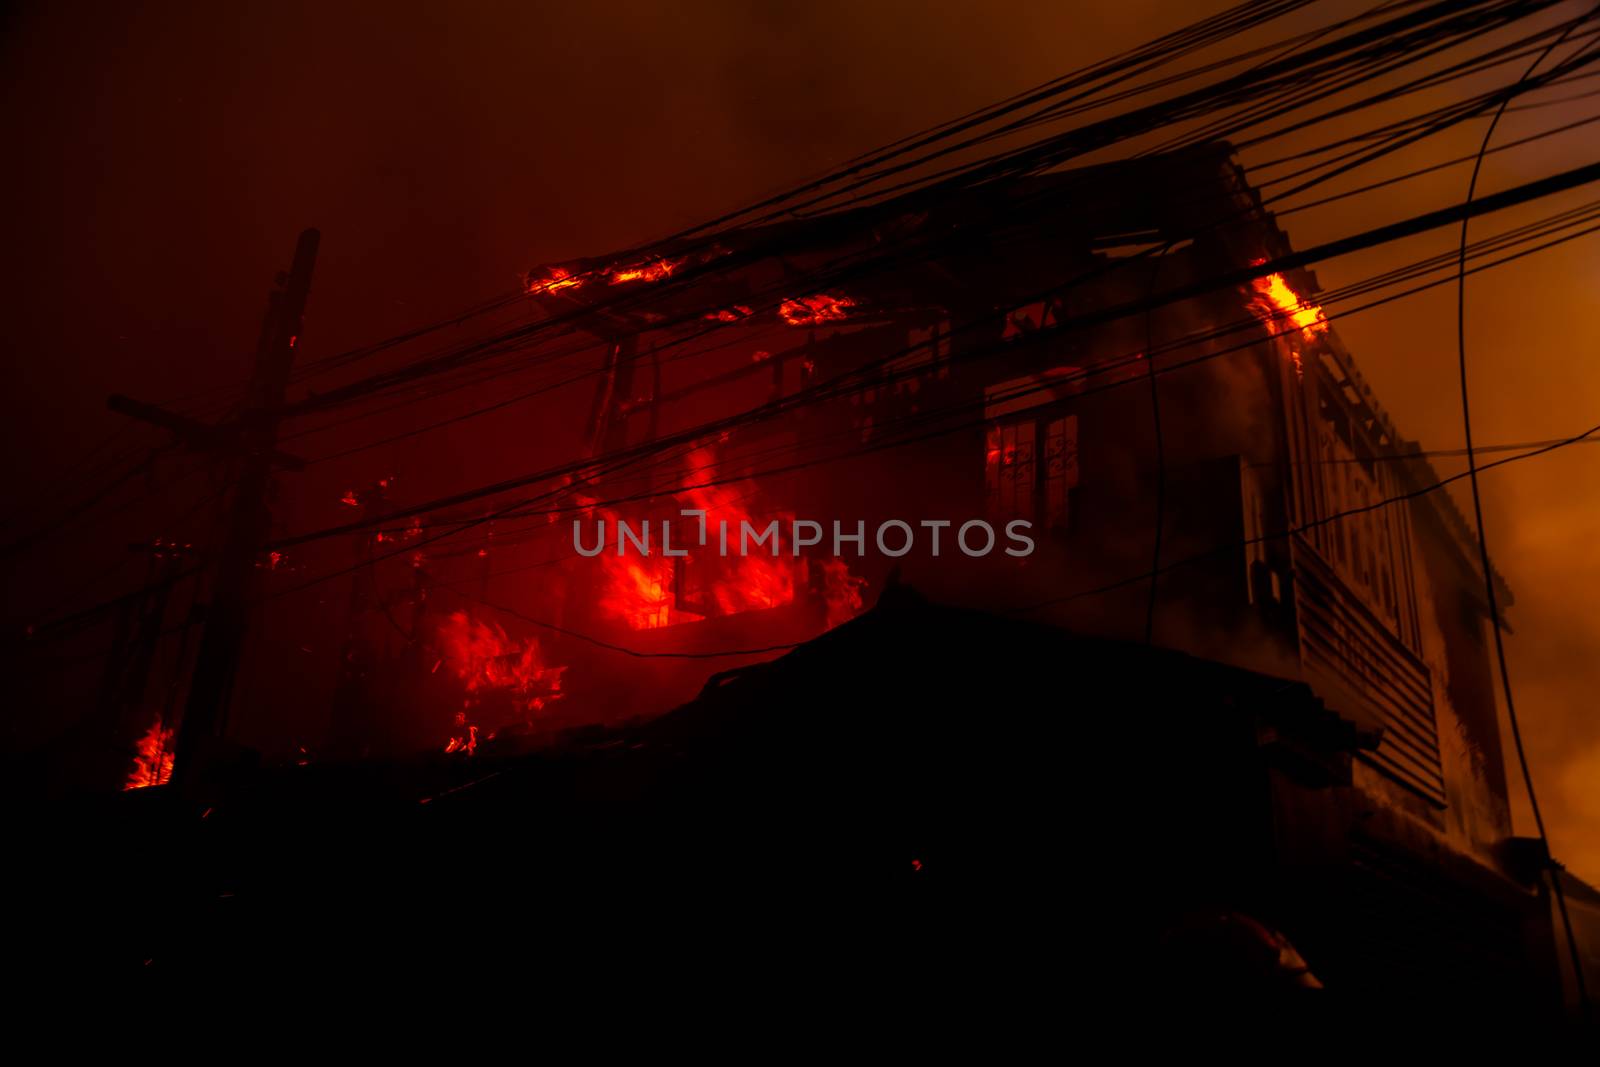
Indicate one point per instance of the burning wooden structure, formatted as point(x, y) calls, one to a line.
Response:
point(939, 358)
point(980, 378)
point(1308, 767)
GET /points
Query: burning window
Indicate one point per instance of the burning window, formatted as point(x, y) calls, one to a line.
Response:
point(648, 590)
point(1010, 481)
point(1030, 464)
point(1031, 448)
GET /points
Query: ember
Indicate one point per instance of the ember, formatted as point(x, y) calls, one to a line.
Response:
point(153, 763)
point(557, 280)
point(467, 744)
point(648, 272)
point(811, 310)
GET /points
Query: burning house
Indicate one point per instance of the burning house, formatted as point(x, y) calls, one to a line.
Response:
point(978, 378)
point(1232, 701)
point(1210, 474)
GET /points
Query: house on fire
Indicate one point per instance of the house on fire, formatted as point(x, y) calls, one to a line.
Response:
point(1001, 351)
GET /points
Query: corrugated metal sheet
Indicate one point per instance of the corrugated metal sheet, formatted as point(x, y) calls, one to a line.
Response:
point(1360, 667)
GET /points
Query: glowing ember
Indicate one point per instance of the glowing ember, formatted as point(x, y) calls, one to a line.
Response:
point(733, 314)
point(467, 744)
point(557, 280)
point(841, 591)
point(153, 763)
point(1276, 301)
point(646, 272)
point(814, 309)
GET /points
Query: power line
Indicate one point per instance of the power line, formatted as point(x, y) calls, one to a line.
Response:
point(1132, 579)
point(1454, 25)
point(1356, 242)
point(1490, 593)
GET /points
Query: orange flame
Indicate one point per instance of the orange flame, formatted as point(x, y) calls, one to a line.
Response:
point(557, 280)
point(814, 309)
point(1276, 301)
point(638, 590)
point(646, 272)
point(153, 763)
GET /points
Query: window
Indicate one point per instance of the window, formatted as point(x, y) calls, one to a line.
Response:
point(1031, 462)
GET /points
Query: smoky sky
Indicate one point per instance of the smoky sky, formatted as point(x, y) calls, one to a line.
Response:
point(162, 157)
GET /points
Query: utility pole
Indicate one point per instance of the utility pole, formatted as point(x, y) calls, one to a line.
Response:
point(253, 437)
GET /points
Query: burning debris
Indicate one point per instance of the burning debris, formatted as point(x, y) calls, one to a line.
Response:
point(815, 309)
point(553, 282)
point(495, 669)
point(648, 272)
point(657, 269)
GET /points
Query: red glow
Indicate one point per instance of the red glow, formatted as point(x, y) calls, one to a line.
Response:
point(646, 272)
point(638, 590)
point(814, 309)
point(492, 664)
point(841, 591)
point(467, 744)
point(152, 765)
point(557, 280)
point(485, 659)
point(733, 314)
point(748, 582)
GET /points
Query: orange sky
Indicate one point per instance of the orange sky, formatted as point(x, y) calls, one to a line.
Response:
point(166, 157)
